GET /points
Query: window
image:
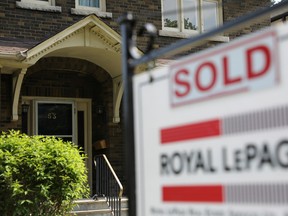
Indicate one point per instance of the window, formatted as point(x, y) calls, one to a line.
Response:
point(86, 7)
point(55, 119)
point(191, 16)
point(42, 5)
point(89, 3)
point(42, 2)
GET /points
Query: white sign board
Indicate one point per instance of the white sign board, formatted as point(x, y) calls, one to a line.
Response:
point(211, 131)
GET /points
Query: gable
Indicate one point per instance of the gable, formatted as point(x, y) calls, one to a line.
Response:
point(86, 39)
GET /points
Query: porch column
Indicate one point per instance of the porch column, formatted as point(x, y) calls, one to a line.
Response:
point(17, 83)
point(117, 97)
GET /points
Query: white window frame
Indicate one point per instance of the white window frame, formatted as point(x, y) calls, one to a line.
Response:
point(184, 33)
point(86, 10)
point(102, 6)
point(48, 5)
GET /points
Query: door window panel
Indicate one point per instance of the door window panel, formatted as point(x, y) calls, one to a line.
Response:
point(55, 119)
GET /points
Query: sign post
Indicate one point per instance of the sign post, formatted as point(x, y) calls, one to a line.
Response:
point(211, 131)
point(127, 23)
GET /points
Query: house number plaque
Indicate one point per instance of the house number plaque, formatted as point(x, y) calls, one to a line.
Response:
point(51, 115)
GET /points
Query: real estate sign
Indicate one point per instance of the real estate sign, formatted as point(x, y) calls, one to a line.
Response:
point(212, 131)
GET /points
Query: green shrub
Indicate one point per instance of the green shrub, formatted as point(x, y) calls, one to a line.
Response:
point(39, 175)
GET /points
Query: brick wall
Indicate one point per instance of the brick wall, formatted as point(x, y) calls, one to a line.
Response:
point(236, 8)
point(37, 26)
point(72, 78)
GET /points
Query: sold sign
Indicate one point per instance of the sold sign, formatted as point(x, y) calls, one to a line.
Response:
point(244, 66)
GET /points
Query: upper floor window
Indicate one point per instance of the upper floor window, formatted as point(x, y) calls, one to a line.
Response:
point(42, 5)
point(191, 16)
point(86, 7)
point(88, 4)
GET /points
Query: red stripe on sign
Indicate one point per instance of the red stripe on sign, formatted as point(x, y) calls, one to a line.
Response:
point(191, 131)
point(207, 193)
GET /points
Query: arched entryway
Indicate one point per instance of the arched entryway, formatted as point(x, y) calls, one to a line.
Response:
point(73, 80)
point(72, 99)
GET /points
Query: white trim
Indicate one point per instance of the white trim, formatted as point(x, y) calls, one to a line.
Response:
point(166, 33)
point(17, 84)
point(117, 98)
point(95, 11)
point(85, 106)
point(47, 2)
point(39, 5)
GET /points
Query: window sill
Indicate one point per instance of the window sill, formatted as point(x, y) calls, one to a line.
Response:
point(86, 12)
point(39, 7)
point(166, 33)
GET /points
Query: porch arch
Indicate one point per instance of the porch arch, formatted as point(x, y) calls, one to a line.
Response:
point(89, 39)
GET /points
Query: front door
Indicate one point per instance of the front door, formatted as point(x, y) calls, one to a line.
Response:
point(68, 120)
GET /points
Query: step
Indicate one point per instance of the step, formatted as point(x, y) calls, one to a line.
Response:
point(98, 207)
point(90, 204)
point(124, 202)
point(100, 212)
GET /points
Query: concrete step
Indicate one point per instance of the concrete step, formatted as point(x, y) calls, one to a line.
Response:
point(102, 212)
point(124, 206)
point(99, 207)
point(90, 204)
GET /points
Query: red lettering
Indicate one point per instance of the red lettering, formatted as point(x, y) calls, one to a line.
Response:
point(228, 80)
point(267, 62)
point(185, 85)
point(213, 71)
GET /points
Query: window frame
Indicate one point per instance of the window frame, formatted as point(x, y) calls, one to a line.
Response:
point(48, 5)
point(218, 14)
point(180, 16)
point(102, 6)
point(86, 10)
point(48, 2)
point(73, 115)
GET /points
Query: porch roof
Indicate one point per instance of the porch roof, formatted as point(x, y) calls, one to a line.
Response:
point(89, 39)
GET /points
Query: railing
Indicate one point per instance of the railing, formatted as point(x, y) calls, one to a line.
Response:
point(108, 184)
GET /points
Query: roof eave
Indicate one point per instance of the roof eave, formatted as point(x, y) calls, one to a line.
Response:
point(18, 56)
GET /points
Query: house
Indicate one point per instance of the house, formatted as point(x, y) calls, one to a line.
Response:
point(60, 62)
